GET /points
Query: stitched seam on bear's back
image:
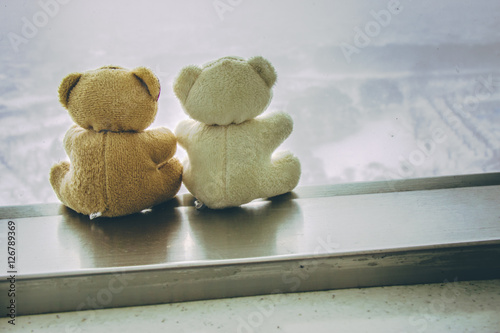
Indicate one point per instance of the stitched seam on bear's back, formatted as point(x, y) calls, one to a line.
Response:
point(105, 138)
point(224, 165)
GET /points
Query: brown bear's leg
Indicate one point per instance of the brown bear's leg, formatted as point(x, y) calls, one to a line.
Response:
point(171, 173)
point(57, 173)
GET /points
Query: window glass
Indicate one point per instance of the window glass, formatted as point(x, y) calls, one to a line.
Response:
point(378, 90)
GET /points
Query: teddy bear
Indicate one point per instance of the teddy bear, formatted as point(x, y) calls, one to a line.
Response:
point(116, 167)
point(229, 147)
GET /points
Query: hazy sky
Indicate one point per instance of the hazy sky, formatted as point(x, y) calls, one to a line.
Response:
point(198, 27)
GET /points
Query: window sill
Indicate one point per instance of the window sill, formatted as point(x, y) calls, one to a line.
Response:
point(316, 238)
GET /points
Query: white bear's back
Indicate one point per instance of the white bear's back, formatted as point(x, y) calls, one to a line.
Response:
point(226, 164)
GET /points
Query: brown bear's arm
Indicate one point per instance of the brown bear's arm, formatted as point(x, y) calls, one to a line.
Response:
point(160, 143)
point(70, 137)
point(274, 128)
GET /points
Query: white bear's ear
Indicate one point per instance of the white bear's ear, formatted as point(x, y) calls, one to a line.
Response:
point(264, 69)
point(185, 80)
point(67, 84)
point(148, 80)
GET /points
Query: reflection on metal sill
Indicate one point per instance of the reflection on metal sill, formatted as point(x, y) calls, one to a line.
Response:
point(316, 238)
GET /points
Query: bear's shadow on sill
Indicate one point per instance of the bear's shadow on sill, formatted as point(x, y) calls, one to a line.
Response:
point(177, 232)
point(262, 228)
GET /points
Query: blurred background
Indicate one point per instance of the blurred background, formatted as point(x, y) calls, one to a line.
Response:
point(378, 90)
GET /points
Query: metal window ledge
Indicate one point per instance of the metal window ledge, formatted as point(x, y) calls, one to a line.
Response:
point(316, 238)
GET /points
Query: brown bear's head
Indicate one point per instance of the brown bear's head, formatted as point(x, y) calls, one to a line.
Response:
point(111, 98)
point(226, 91)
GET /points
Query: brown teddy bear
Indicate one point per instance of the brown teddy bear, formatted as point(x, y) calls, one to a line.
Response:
point(117, 166)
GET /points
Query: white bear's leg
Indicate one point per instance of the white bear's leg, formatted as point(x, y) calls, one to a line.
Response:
point(283, 175)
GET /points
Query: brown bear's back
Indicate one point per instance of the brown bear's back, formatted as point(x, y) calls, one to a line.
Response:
point(110, 171)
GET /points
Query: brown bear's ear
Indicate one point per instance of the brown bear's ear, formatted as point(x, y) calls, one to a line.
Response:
point(67, 84)
point(264, 69)
point(185, 80)
point(149, 80)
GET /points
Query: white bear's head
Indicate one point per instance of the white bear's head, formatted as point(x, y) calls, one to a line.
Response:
point(226, 91)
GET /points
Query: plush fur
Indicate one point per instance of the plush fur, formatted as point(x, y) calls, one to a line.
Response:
point(117, 166)
point(229, 148)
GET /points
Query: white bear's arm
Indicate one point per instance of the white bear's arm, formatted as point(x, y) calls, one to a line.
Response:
point(183, 130)
point(275, 127)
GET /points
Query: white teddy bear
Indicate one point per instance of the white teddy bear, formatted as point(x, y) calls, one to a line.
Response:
point(230, 150)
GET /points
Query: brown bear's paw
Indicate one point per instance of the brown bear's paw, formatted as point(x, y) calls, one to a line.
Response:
point(172, 172)
point(57, 173)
